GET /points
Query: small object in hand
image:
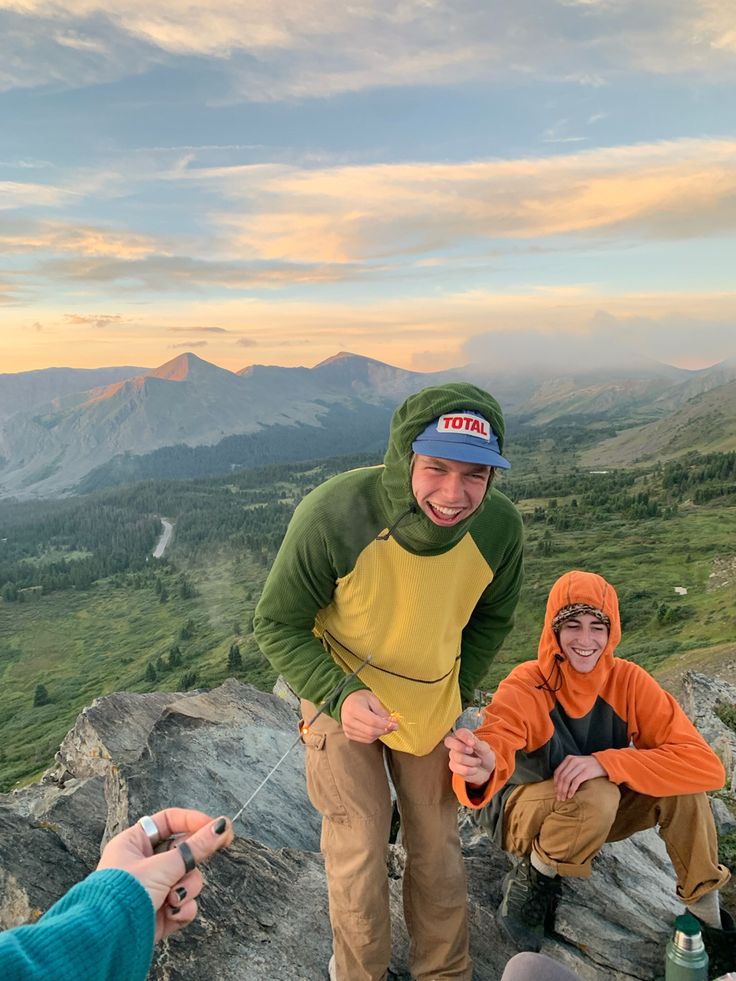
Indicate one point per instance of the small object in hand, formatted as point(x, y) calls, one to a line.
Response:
point(150, 829)
point(398, 718)
point(187, 856)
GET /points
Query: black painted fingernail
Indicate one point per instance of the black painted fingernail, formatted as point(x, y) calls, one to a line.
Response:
point(174, 909)
point(220, 826)
point(181, 893)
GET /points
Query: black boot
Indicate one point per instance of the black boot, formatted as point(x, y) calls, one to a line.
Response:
point(720, 945)
point(527, 905)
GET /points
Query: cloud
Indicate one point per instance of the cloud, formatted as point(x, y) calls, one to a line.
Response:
point(80, 43)
point(93, 320)
point(17, 194)
point(188, 345)
point(671, 190)
point(174, 273)
point(686, 338)
point(433, 360)
point(66, 252)
point(198, 330)
point(578, 337)
point(277, 49)
point(26, 164)
point(87, 240)
point(66, 47)
point(281, 227)
point(246, 342)
point(546, 351)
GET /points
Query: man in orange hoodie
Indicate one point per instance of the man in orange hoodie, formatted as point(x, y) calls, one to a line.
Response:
point(578, 748)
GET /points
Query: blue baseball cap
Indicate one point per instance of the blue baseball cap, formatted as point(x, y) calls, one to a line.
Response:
point(464, 436)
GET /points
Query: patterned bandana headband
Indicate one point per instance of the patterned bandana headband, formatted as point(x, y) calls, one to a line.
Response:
point(574, 610)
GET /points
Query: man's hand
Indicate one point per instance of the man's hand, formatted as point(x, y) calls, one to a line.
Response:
point(574, 771)
point(364, 718)
point(470, 757)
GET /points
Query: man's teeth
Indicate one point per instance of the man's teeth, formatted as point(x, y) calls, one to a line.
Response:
point(448, 512)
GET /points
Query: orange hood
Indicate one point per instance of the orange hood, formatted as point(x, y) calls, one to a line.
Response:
point(578, 587)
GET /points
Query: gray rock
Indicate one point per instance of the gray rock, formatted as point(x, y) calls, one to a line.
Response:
point(75, 812)
point(112, 728)
point(724, 818)
point(283, 689)
point(702, 696)
point(263, 914)
point(35, 867)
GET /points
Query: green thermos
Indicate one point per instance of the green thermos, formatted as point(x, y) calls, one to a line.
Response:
point(686, 958)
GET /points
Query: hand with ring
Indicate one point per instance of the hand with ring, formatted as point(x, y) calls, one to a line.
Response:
point(170, 877)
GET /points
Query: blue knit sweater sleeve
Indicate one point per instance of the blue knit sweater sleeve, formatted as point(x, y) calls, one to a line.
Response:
point(101, 930)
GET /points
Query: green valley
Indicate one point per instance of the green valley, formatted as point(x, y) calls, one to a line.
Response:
point(86, 610)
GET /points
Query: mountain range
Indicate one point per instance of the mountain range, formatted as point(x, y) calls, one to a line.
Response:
point(66, 430)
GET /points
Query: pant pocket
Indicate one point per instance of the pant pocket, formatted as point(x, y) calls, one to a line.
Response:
point(321, 783)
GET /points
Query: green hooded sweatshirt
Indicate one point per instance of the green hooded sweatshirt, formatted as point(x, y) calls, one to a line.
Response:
point(363, 571)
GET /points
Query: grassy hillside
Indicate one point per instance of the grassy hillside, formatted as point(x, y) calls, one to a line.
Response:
point(706, 423)
point(80, 645)
point(171, 624)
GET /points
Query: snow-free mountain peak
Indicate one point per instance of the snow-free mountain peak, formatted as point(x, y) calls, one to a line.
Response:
point(186, 367)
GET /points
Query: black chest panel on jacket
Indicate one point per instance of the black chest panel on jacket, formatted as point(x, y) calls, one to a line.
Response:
point(600, 729)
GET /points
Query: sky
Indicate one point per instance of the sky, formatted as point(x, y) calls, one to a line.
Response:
point(426, 182)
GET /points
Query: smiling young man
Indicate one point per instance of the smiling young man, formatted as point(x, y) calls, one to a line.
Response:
point(418, 565)
point(448, 491)
point(580, 747)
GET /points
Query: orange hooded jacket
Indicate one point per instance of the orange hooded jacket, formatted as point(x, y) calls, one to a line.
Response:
point(544, 711)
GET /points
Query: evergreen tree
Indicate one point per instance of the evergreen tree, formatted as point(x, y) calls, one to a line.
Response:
point(234, 659)
point(546, 545)
point(187, 630)
point(40, 696)
point(150, 674)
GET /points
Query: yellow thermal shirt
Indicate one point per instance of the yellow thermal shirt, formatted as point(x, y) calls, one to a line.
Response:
point(408, 611)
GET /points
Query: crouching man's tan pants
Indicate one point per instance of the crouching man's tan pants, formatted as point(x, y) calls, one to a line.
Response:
point(347, 783)
point(568, 834)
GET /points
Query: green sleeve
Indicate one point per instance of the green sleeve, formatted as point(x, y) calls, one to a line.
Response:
point(493, 617)
point(301, 582)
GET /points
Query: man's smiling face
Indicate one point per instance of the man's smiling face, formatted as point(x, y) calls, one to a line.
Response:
point(446, 490)
point(582, 640)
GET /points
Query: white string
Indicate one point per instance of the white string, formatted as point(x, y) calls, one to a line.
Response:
point(308, 726)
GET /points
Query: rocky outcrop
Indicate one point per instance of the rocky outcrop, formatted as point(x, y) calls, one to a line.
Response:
point(703, 698)
point(263, 915)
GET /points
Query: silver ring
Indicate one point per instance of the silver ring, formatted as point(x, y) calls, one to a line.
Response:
point(150, 829)
point(187, 856)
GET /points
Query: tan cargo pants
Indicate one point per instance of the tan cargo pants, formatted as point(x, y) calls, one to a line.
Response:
point(568, 834)
point(348, 785)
